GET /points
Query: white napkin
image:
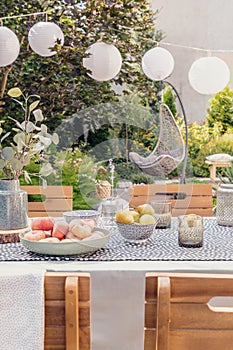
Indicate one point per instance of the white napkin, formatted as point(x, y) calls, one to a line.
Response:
point(21, 310)
point(117, 310)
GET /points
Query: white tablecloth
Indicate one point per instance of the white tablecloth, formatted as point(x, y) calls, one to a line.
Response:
point(21, 308)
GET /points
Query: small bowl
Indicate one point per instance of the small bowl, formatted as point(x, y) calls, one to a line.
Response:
point(136, 233)
point(81, 214)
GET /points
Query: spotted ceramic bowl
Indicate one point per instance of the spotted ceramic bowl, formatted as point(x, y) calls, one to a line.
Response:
point(136, 233)
point(81, 214)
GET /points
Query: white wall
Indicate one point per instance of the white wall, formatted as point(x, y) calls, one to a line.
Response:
point(204, 24)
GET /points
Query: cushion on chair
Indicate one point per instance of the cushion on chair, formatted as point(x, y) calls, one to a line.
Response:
point(220, 157)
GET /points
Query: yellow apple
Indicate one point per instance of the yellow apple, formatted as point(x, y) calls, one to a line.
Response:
point(145, 209)
point(135, 215)
point(125, 217)
point(147, 219)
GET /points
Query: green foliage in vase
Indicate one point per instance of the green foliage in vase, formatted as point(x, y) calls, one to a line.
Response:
point(29, 139)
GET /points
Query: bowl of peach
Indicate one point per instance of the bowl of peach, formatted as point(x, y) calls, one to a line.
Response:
point(57, 237)
point(137, 225)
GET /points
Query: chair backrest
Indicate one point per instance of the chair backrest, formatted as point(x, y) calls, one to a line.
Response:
point(186, 199)
point(67, 311)
point(180, 315)
point(49, 201)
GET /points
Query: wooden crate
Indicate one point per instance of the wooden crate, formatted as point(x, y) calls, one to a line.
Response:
point(52, 201)
point(185, 198)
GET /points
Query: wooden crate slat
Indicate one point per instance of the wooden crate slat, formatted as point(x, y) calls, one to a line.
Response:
point(197, 211)
point(199, 316)
point(34, 214)
point(200, 289)
point(194, 198)
point(200, 340)
point(50, 191)
point(54, 200)
point(189, 189)
point(51, 204)
point(150, 339)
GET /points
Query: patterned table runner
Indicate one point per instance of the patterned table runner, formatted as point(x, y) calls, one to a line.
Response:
point(162, 246)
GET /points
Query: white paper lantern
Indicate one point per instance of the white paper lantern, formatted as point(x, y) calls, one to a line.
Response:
point(104, 61)
point(43, 36)
point(209, 75)
point(157, 63)
point(9, 46)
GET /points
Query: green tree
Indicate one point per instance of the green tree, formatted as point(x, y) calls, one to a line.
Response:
point(169, 100)
point(61, 80)
point(221, 109)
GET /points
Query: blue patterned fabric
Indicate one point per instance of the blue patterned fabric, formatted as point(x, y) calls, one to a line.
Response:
point(161, 246)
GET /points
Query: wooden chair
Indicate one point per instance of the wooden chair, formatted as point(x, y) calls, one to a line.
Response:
point(179, 314)
point(186, 199)
point(67, 311)
point(49, 201)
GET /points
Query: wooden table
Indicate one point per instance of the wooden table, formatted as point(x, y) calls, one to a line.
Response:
point(178, 314)
point(214, 165)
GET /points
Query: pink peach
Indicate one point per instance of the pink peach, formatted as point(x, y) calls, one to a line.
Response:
point(50, 240)
point(60, 229)
point(45, 224)
point(35, 235)
point(90, 222)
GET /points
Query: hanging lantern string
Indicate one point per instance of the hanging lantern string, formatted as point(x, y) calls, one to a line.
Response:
point(160, 43)
point(25, 15)
point(195, 48)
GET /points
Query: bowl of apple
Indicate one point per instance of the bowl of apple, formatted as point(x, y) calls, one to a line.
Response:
point(137, 225)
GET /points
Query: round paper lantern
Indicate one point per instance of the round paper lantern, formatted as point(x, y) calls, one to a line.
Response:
point(43, 36)
point(209, 75)
point(9, 46)
point(157, 63)
point(104, 61)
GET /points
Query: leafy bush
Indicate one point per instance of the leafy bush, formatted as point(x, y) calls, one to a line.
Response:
point(221, 109)
point(221, 144)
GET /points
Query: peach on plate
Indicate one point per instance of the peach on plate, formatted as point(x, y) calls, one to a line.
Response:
point(45, 224)
point(35, 235)
point(81, 230)
point(50, 240)
point(60, 229)
point(70, 236)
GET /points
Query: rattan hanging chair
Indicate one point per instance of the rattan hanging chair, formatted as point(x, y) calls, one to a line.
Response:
point(169, 151)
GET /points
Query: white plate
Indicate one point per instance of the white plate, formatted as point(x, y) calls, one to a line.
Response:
point(67, 248)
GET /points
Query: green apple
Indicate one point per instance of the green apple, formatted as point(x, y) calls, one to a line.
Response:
point(147, 219)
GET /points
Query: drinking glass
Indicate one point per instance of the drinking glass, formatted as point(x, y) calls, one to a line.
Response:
point(190, 230)
point(162, 213)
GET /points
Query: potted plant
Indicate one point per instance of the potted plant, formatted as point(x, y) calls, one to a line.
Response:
point(29, 139)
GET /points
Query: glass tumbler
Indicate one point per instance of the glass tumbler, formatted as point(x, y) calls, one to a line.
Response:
point(109, 208)
point(190, 231)
point(162, 213)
